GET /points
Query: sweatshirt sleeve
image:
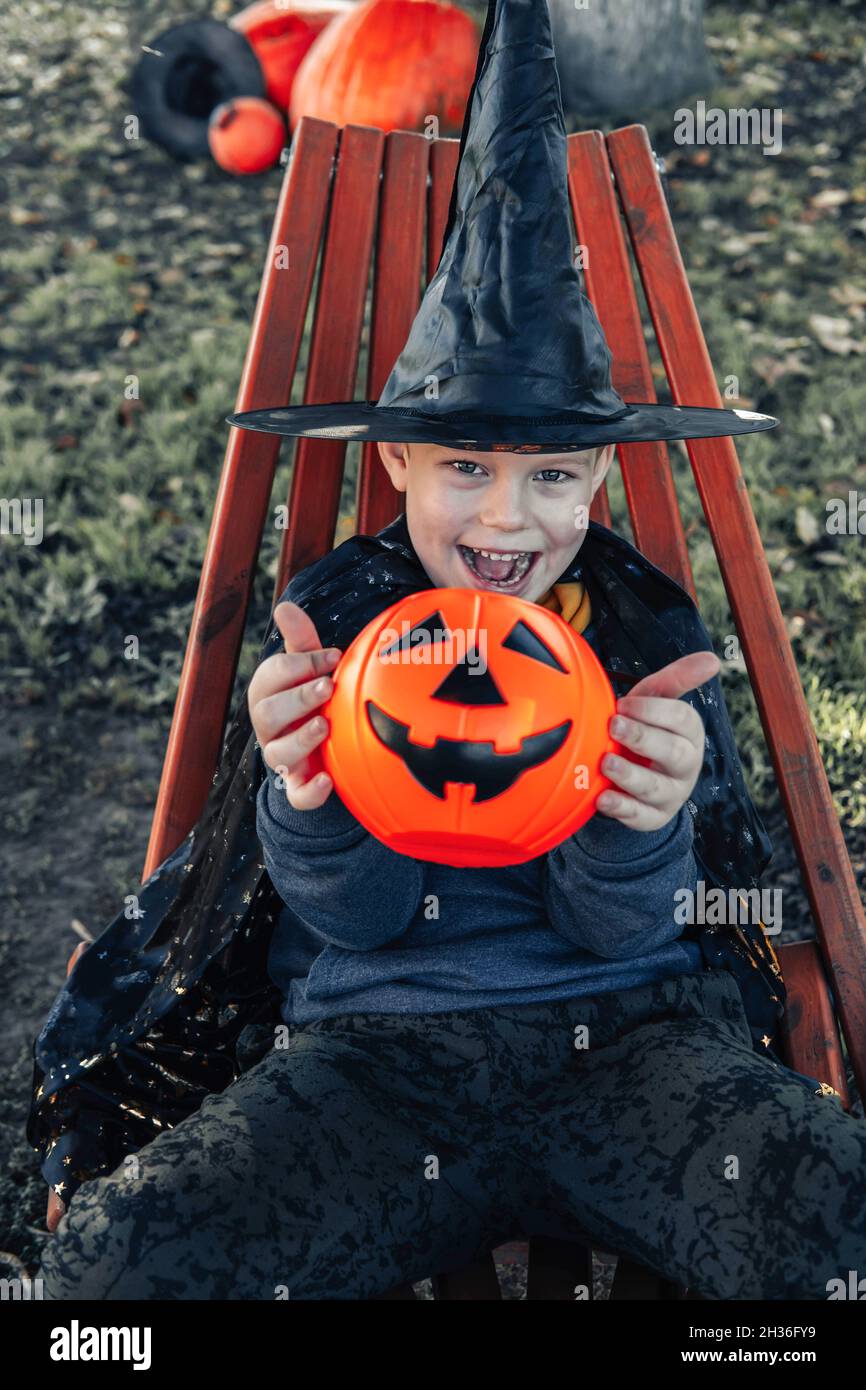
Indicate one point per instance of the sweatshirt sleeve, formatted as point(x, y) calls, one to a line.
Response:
point(332, 872)
point(610, 889)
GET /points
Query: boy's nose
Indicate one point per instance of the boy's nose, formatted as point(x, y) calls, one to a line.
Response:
point(503, 512)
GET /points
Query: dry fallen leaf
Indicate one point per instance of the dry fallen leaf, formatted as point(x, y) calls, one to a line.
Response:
point(847, 293)
point(830, 198)
point(770, 369)
point(806, 525)
point(24, 217)
point(833, 335)
point(130, 503)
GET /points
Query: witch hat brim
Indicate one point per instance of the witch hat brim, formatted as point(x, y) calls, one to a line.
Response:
point(348, 420)
point(506, 351)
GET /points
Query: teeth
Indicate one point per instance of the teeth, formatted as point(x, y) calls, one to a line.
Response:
point(501, 554)
point(523, 558)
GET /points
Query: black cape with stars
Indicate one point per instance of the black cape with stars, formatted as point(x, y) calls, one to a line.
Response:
point(175, 1002)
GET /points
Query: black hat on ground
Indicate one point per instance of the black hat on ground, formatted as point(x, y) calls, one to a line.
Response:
point(192, 69)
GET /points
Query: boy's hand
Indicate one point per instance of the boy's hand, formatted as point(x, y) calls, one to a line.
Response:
point(658, 725)
point(283, 691)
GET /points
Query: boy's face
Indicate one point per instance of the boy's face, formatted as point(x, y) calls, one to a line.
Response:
point(460, 502)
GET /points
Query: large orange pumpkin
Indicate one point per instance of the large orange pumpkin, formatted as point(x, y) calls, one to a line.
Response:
point(468, 727)
point(281, 34)
point(391, 64)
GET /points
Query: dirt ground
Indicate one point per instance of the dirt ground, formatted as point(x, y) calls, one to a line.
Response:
point(84, 799)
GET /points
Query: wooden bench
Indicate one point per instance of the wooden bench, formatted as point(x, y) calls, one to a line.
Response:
point(354, 201)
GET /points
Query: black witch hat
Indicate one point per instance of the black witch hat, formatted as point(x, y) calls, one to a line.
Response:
point(184, 74)
point(506, 351)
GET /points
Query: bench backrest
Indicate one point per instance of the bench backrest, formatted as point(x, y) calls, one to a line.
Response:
point(356, 201)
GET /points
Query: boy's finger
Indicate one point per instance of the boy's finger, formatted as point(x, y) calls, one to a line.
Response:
point(676, 715)
point(672, 752)
point(296, 627)
point(643, 783)
point(277, 713)
point(634, 814)
point(308, 796)
point(288, 670)
point(680, 676)
point(291, 748)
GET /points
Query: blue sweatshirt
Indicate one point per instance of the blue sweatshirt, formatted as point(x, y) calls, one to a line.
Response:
point(366, 929)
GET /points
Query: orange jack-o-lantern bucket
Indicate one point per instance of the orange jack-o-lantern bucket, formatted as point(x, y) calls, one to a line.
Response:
point(468, 728)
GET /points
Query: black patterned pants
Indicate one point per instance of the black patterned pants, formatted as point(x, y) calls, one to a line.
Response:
point(380, 1148)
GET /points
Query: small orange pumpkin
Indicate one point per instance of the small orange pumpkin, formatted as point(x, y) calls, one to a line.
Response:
point(468, 728)
point(246, 135)
point(391, 64)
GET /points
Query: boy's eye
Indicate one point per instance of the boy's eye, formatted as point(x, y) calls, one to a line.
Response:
point(465, 465)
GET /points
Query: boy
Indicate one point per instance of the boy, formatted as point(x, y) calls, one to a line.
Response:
point(545, 1055)
point(552, 1053)
point(459, 512)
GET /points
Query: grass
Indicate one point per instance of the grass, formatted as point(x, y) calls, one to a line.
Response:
point(129, 285)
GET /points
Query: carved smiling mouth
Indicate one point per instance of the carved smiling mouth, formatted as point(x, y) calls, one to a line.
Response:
point(464, 760)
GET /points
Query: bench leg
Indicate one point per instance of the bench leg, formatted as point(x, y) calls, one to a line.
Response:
point(476, 1281)
point(557, 1268)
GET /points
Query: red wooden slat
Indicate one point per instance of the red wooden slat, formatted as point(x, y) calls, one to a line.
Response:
point(815, 829)
point(599, 508)
point(217, 627)
point(396, 296)
point(333, 366)
point(811, 1038)
point(443, 167)
point(649, 485)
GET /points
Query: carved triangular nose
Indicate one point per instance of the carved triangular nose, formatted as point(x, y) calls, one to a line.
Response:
point(469, 683)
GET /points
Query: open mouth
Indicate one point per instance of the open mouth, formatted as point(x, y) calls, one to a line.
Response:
point(506, 570)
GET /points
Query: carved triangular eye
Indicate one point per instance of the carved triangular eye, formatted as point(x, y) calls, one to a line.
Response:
point(434, 629)
point(469, 685)
point(522, 639)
